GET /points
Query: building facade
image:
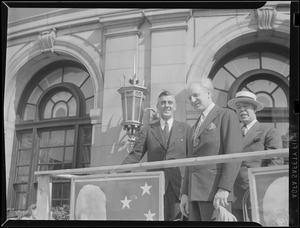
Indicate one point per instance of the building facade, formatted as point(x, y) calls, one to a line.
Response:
point(62, 109)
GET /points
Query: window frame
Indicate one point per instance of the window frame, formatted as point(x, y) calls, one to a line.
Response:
point(62, 87)
point(254, 47)
point(77, 123)
point(267, 113)
point(36, 79)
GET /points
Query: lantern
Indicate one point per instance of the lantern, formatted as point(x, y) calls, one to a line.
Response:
point(133, 98)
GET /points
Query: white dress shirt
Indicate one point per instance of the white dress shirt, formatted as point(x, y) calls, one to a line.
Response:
point(170, 122)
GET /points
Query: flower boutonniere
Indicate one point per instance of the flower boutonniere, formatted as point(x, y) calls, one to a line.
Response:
point(211, 126)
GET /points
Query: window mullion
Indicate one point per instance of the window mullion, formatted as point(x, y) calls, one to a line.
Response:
point(75, 163)
point(33, 167)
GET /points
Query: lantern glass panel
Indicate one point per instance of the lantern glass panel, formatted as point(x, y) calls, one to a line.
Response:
point(124, 108)
point(137, 108)
point(129, 108)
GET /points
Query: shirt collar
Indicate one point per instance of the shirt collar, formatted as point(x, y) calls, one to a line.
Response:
point(208, 109)
point(250, 124)
point(170, 122)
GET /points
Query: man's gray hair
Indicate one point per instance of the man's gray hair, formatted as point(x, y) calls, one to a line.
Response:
point(204, 83)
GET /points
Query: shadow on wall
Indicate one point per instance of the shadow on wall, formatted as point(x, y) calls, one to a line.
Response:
point(114, 135)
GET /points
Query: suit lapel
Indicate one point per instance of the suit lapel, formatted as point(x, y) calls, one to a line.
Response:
point(176, 130)
point(251, 134)
point(210, 117)
point(156, 131)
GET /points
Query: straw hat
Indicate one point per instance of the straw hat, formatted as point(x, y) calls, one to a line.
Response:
point(245, 96)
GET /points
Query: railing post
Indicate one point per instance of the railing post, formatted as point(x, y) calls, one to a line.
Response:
point(44, 197)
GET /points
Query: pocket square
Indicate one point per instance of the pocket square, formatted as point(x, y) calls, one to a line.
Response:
point(211, 126)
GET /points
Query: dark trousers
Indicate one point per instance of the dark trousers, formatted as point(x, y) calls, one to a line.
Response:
point(202, 211)
point(238, 213)
point(171, 205)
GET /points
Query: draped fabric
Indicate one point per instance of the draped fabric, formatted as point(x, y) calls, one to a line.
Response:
point(124, 198)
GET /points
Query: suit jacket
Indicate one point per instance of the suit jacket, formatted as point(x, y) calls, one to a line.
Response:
point(151, 141)
point(219, 134)
point(259, 137)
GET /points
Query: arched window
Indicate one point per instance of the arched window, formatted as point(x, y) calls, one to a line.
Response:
point(262, 69)
point(54, 130)
point(72, 78)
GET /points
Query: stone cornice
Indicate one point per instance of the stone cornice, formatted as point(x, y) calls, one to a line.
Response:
point(155, 16)
point(122, 24)
point(123, 33)
point(160, 19)
point(135, 18)
point(60, 19)
point(173, 26)
point(168, 19)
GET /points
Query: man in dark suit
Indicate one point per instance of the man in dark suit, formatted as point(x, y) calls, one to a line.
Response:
point(217, 132)
point(164, 140)
point(256, 137)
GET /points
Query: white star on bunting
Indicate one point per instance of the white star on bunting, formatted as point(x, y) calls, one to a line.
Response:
point(125, 203)
point(146, 188)
point(149, 216)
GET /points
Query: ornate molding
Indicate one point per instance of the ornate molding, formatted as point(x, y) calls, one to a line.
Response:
point(157, 16)
point(123, 23)
point(128, 18)
point(266, 17)
point(46, 40)
point(177, 26)
point(168, 19)
point(123, 33)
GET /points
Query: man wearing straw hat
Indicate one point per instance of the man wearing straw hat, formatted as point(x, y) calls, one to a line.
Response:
point(256, 137)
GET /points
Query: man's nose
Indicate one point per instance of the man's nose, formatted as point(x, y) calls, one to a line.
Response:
point(192, 99)
point(243, 112)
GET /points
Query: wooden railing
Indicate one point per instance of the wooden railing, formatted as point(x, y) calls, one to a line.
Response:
point(45, 185)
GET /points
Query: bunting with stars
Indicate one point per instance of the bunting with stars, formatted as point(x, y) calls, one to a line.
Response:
point(126, 196)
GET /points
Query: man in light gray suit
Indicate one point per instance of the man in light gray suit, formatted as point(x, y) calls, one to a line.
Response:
point(217, 132)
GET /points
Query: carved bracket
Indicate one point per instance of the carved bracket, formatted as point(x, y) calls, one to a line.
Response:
point(46, 40)
point(266, 17)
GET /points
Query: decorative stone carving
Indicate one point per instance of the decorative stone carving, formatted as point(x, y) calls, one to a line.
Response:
point(266, 17)
point(46, 40)
point(124, 23)
point(168, 19)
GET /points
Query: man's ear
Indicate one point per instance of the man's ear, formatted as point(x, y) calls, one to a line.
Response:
point(255, 108)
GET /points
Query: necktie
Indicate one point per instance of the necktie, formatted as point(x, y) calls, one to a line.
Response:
point(166, 131)
point(244, 130)
point(196, 132)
